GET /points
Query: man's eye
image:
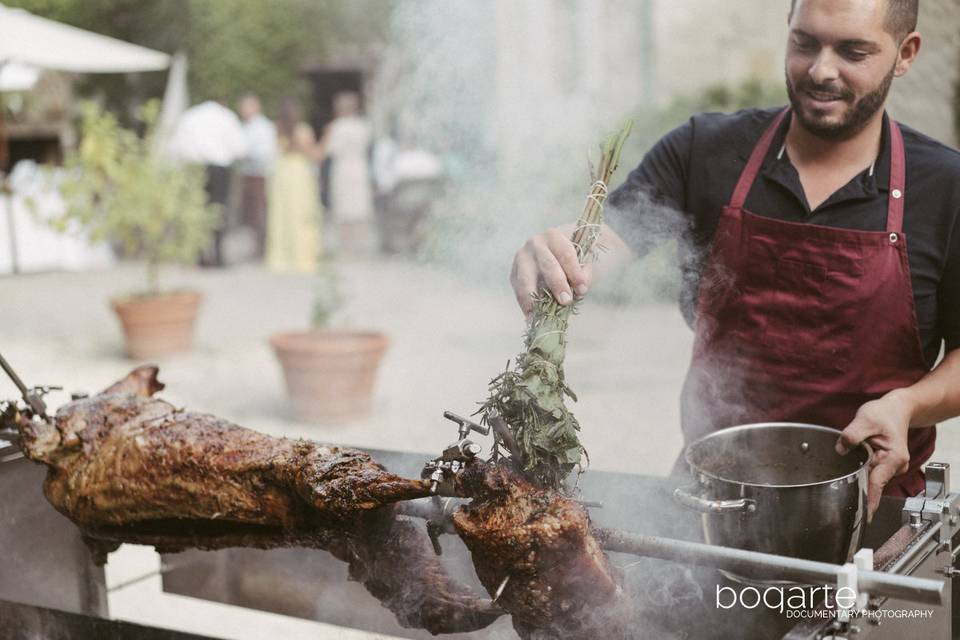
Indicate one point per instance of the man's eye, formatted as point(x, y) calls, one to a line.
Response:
point(855, 56)
point(804, 46)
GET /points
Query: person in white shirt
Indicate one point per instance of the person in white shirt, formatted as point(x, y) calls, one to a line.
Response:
point(210, 134)
point(347, 142)
point(256, 167)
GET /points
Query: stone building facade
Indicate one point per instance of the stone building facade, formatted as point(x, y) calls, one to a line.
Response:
point(925, 97)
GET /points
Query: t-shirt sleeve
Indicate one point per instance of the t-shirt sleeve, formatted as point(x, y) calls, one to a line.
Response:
point(648, 207)
point(949, 294)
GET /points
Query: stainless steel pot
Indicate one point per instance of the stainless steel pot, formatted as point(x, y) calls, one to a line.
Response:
point(779, 487)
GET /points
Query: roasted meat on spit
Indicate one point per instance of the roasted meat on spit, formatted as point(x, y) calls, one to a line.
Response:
point(126, 467)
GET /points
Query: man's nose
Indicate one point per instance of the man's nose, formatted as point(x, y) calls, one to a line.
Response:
point(824, 68)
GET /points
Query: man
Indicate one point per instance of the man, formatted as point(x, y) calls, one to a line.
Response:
point(811, 306)
point(210, 134)
point(261, 137)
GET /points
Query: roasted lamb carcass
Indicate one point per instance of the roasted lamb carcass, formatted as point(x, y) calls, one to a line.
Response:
point(534, 552)
point(126, 467)
point(118, 458)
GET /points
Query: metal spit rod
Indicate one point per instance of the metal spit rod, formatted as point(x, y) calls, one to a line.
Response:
point(767, 565)
point(753, 563)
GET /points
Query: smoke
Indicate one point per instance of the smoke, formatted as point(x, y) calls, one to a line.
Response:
point(513, 97)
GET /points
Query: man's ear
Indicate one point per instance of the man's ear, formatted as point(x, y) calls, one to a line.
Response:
point(907, 53)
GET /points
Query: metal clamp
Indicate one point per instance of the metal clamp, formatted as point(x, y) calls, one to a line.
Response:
point(704, 505)
point(466, 425)
point(33, 396)
point(937, 480)
point(442, 471)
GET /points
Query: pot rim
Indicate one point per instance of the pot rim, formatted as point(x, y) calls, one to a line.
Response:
point(325, 340)
point(864, 466)
point(124, 298)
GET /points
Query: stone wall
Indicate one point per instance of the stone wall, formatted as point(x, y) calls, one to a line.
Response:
point(699, 43)
point(924, 98)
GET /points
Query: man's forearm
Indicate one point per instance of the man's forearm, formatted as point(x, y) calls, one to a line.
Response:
point(936, 397)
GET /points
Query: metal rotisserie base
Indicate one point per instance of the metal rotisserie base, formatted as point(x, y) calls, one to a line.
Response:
point(43, 560)
point(20, 621)
point(49, 587)
point(676, 601)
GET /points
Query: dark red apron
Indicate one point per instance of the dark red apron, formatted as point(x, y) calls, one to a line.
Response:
point(805, 323)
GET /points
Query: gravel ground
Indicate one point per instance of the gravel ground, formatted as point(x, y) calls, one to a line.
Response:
point(448, 339)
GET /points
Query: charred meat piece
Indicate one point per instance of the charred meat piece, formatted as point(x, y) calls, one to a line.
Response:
point(120, 458)
point(398, 566)
point(534, 552)
point(391, 557)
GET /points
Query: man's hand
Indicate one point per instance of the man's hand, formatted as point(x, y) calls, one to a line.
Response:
point(883, 424)
point(549, 257)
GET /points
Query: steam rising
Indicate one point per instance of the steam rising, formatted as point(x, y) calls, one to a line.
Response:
point(514, 97)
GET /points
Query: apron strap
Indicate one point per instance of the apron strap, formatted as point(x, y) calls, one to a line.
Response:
point(749, 173)
point(898, 179)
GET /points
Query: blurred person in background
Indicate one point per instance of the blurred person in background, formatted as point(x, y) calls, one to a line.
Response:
point(255, 168)
point(346, 142)
point(293, 198)
point(211, 135)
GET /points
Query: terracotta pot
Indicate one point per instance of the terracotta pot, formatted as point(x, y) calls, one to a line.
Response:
point(157, 325)
point(330, 373)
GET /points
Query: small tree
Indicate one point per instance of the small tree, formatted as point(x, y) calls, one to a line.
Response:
point(119, 189)
point(328, 299)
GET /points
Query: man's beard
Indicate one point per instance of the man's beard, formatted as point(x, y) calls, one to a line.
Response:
point(854, 119)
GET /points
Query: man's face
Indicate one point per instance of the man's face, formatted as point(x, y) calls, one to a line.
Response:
point(840, 63)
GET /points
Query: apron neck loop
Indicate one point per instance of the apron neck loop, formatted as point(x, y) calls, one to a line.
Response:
point(749, 173)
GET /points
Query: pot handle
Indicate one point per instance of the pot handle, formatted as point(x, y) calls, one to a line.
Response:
point(703, 505)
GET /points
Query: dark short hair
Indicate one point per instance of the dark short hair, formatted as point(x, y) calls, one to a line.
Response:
point(900, 20)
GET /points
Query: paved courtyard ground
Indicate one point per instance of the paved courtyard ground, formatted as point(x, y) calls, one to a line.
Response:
point(449, 337)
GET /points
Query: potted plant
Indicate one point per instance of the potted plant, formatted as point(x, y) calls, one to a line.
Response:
point(120, 189)
point(329, 372)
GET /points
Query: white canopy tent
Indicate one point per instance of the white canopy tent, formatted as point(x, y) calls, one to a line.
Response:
point(29, 44)
point(46, 44)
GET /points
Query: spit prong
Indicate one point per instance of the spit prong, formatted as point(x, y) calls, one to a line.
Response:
point(466, 425)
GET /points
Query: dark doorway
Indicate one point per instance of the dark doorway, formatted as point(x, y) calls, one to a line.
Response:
point(326, 84)
point(41, 148)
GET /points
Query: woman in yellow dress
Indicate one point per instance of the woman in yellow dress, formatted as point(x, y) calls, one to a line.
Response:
point(293, 204)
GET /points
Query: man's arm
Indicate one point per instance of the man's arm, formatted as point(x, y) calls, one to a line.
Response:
point(884, 422)
point(936, 397)
point(644, 211)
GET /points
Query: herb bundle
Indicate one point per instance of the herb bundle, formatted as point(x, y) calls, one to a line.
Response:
point(532, 424)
